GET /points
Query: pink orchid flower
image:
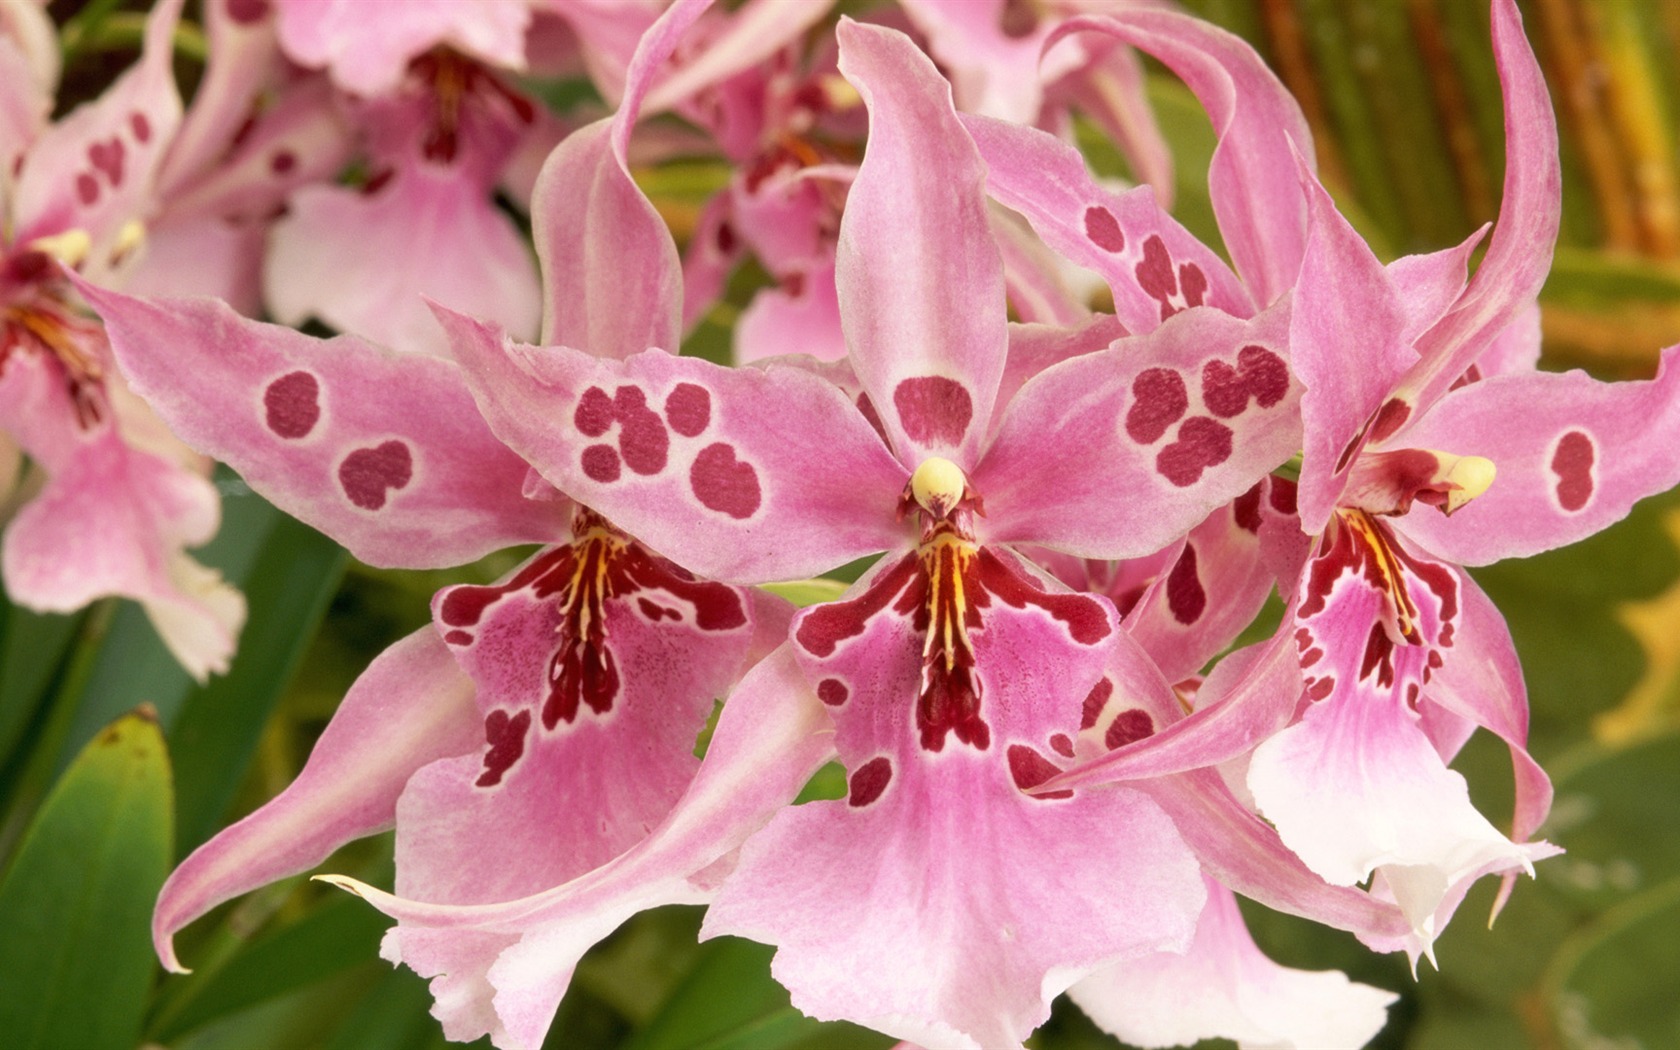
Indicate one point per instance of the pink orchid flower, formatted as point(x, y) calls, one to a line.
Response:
point(122, 498)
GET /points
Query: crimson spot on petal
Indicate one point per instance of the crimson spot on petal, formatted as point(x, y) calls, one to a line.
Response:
point(1320, 688)
point(1095, 701)
point(724, 483)
point(283, 161)
point(1185, 595)
point(594, 415)
point(246, 12)
point(1104, 230)
point(1029, 769)
point(1245, 509)
point(141, 127)
point(600, 462)
point(1194, 283)
point(1390, 417)
point(933, 409)
point(833, 692)
point(506, 737)
point(1159, 398)
point(642, 440)
point(1572, 463)
point(291, 405)
point(1127, 727)
point(87, 189)
point(368, 474)
point(1259, 374)
point(869, 780)
point(1062, 745)
point(688, 409)
point(1201, 443)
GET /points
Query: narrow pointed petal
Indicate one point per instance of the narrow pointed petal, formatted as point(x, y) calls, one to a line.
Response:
point(1118, 453)
point(1224, 987)
point(1572, 455)
point(927, 332)
point(383, 452)
point(1520, 252)
point(1152, 265)
point(1256, 197)
point(779, 464)
point(506, 965)
point(410, 707)
point(243, 56)
point(93, 170)
point(1347, 347)
point(366, 263)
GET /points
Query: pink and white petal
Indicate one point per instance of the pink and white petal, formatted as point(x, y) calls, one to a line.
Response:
point(1111, 90)
point(365, 263)
point(1427, 286)
point(1356, 787)
point(384, 452)
point(410, 707)
point(993, 71)
point(1224, 987)
point(1344, 300)
point(751, 34)
point(244, 58)
point(202, 255)
point(25, 104)
point(1117, 453)
point(94, 169)
point(1256, 197)
point(367, 48)
point(1152, 265)
point(506, 965)
point(607, 33)
point(1516, 349)
point(1036, 347)
point(745, 475)
point(1572, 455)
point(1520, 253)
point(1041, 285)
point(921, 282)
point(779, 321)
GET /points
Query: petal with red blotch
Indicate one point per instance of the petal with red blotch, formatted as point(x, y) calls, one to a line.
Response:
point(112, 519)
point(1152, 265)
point(503, 967)
point(366, 49)
point(94, 169)
point(1519, 254)
point(366, 263)
point(1572, 455)
point(1344, 299)
point(410, 707)
point(1251, 177)
point(1117, 453)
point(921, 282)
point(1224, 987)
point(739, 474)
point(384, 452)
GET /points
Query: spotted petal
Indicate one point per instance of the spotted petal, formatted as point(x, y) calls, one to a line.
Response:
point(384, 452)
point(920, 279)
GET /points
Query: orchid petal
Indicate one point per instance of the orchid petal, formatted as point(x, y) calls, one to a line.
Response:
point(1427, 286)
point(754, 32)
point(927, 332)
point(384, 452)
point(1152, 265)
point(1223, 986)
point(244, 55)
point(366, 49)
point(781, 321)
point(1572, 456)
point(1116, 454)
point(1040, 283)
point(785, 473)
point(410, 707)
point(1256, 197)
point(1036, 347)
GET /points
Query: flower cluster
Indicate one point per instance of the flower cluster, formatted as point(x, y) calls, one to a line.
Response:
point(1060, 772)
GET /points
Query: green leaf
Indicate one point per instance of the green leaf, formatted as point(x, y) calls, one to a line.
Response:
point(808, 592)
point(33, 649)
point(1613, 984)
point(75, 956)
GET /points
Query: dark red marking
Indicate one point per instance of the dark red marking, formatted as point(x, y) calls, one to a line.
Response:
point(1473, 374)
point(950, 703)
point(1185, 595)
point(833, 692)
point(1378, 658)
point(292, 405)
point(1310, 657)
point(1413, 690)
point(1320, 688)
point(717, 606)
point(724, 483)
point(1029, 769)
point(1572, 464)
point(869, 780)
point(506, 737)
point(725, 238)
point(282, 162)
point(688, 409)
point(368, 474)
point(1390, 418)
point(1095, 701)
point(582, 672)
point(656, 612)
point(1245, 509)
point(594, 414)
point(108, 157)
point(600, 463)
point(141, 127)
point(1104, 230)
point(1155, 275)
point(867, 407)
point(1159, 399)
point(247, 12)
point(1201, 443)
point(458, 637)
point(1062, 744)
point(1083, 616)
point(642, 438)
point(1259, 374)
point(1128, 726)
point(1193, 282)
point(1348, 450)
point(933, 409)
point(1283, 493)
point(87, 189)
